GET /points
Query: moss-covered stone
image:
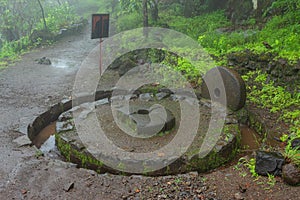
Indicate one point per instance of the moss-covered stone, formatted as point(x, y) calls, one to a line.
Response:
point(225, 150)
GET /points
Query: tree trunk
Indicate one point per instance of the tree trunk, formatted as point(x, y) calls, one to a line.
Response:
point(188, 8)
point(43, 15)
point(154, 10)
point(145, 15)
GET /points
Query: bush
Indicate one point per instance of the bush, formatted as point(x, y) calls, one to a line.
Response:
point(59, 17)
point(129, 21)
point(280, 32)
point(196, 26)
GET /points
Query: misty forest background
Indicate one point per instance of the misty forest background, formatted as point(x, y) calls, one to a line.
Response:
point(219, 26)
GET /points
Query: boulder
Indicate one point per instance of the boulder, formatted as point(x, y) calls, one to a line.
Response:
point(43, 61)
point(269, 163)
point(225, 86)
point(291, 174)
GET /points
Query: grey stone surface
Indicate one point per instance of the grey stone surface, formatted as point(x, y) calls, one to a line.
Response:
point(291, 174)
point(102, 102)
point(162, 95)
point(148, 122)
point(22, 141)
point(65, 126)
point(48, 145)
point(146, 97)
point(222, 84)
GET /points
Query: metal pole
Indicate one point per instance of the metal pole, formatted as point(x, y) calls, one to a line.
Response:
point(100, 63)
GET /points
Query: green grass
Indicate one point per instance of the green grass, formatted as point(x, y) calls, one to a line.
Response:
point(282, 33)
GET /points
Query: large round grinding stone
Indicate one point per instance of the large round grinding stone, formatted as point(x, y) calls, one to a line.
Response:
point(224, 82)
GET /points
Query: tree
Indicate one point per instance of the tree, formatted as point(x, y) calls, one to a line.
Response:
point(144, 7)
point(43, 14)
point(145, 16)
point(154, 9)
point(17, 18)
point(145, 13)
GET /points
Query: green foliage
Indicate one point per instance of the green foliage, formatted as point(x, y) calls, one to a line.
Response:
point(10, 50)
point(129, 21)
point(191, 70)
point(17, 18)
point(129, 6)
point(292, 155)
point(281, 33)
point(24, 21)
point(199, 25)
point(271, 181)
point(250, 164)
point(265, 94)
point(284, 6)
point(222, 43)
point(284, 137)
point(59, 17)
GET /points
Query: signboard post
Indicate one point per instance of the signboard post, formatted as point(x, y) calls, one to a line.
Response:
point(100, 29)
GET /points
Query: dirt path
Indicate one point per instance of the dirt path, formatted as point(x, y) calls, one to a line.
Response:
point(27, 89)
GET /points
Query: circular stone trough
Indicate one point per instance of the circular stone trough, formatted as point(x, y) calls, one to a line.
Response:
point(73, 149)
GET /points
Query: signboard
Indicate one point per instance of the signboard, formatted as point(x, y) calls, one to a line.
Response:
point(100, 26)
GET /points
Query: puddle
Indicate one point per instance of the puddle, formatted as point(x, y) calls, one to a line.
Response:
point(44, 139)
point(61, 63)
point(250, 139)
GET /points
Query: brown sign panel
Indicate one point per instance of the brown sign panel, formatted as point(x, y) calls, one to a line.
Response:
point(100, 25)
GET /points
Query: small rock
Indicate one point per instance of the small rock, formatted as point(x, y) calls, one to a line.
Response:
point(146, 97)
point(291, 174)
point(242, 189)
point(102, 102)
point(24, 191)
point(23, 141)
point(69, 187)
point(238, 196)
point(296, 143)
point(231, 120)
point(117, 98)
point(65, 116)
point(175, 97)
point(268, 163)
point(44, 61)
point(162, 95)
point(166, 90)
point(193, 174)
point(58, 163)
point(163, 196)
point(65, 126)
point(184, 194)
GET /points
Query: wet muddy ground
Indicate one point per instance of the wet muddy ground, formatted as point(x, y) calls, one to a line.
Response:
point(28, 89)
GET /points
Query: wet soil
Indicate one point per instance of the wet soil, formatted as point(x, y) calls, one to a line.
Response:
point(27, 89)
point(250, 140)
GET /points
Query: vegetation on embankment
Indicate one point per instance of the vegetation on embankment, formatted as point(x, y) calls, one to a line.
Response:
point(264, 48)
